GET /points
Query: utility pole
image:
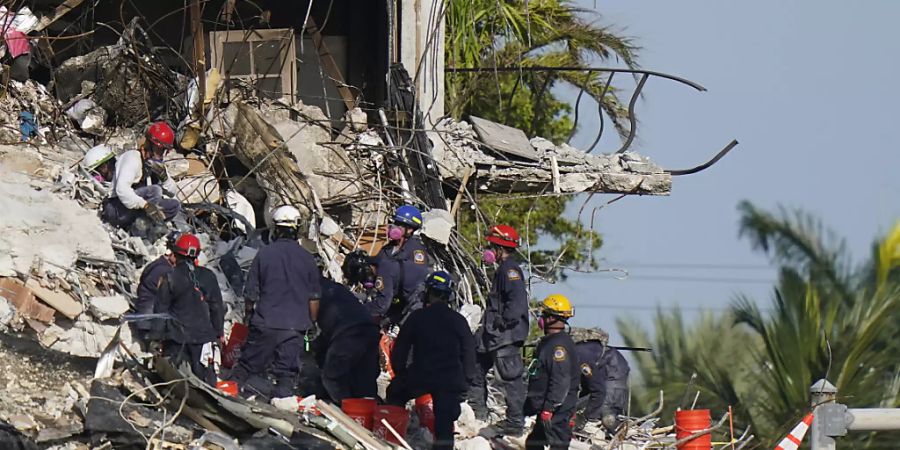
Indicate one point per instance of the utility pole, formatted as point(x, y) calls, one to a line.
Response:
point(832, 419)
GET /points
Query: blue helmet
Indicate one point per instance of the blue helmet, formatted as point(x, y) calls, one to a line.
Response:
point(440, 281)
point(409, 216)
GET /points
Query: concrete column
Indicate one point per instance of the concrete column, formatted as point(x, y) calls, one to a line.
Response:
point(421, 44)
point(821, 393)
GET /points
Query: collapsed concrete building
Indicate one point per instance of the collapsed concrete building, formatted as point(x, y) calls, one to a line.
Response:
point(335, 109)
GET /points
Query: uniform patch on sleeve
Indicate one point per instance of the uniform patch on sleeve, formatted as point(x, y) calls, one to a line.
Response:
point(379, 283)
point(586, 370)
point(419, 256)
point(559, 354)
point(513, 275)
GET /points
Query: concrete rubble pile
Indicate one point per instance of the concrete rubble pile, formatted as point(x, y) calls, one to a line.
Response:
point(68, 281)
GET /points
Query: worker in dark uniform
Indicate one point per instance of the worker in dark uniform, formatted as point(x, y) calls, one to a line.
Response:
point(282, 287)
point(604, 379)
point(402, 266)
point(146, 291)
point(443, 358)
point(503, 331)
point(190, 295)
point(553, 378)
point(347, 345)
point(360, 274)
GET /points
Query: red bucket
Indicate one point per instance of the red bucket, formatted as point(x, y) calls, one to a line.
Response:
point(360, 410)
point(228, 387)
point(689, 422)
point(425, 411)
point(236, 339)
point(396, 416)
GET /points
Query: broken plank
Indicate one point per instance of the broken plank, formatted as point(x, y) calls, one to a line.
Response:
point(24, 300)
point(61, 10)
point(364, 436)
point(60, 301)
point(329, 64)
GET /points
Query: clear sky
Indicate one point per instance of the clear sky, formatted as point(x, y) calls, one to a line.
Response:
point(809, 88)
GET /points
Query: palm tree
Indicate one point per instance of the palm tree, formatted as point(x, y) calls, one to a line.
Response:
point(497, 33)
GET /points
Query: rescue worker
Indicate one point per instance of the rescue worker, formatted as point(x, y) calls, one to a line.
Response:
point(553, 378)
point(139, 180)
point(347, 345)
point(402, 265)
point(604, 379)
point(147, 289)
point(283, 284)
point(359, 274)
point(100, 162)
point(190, 295)
point(443, 358)
point(503, 331)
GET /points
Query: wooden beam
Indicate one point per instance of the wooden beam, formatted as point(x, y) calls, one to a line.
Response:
point(330, 66)
point(199, 52)
point(61, 10)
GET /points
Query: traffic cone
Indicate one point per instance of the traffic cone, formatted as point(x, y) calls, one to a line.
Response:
point(793, 440)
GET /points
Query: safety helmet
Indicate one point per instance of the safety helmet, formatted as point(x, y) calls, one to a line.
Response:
point(286, 216)
point(439, 281)
point(96, 156)
point(187, 245)
point(557, 305)
point(504, 236)
point(357, 267)
point(408, 215)
point(161, 135)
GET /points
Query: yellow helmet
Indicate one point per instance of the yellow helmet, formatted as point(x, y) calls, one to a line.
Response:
point(557, 305)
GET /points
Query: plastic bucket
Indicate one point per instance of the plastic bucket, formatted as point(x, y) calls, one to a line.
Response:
point(689, 422)
point(425, 411)
point(360, 410)
point(236, 339)
point(396, 416)
point(228, 387)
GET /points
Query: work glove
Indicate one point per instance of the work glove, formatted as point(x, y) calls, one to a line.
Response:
point(546, 417)
point(154, 212)
point(158, 169)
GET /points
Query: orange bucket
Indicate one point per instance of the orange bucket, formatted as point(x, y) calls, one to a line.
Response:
point(236, 339)
point(360, 410)
point(396, 416)
point(425, 411)
point(689, 422)
point(228, 387)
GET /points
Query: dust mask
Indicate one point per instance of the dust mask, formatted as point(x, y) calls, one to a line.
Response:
point(395, 233)
point(540, 323)
point(489, 256)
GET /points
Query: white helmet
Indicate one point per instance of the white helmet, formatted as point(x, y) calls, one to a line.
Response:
point(286, 216)
point(96, 156)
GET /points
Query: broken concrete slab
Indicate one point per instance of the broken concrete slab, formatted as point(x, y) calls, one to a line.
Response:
point(108, 307)
point(25, 301)
point(437, 224)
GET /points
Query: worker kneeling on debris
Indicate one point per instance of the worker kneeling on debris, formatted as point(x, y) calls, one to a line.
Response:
point(283, 282)
point(443, 358)
point(347, 345)
point(139, 180)
point(190, 295)
point(403, 265)
point(100, 163)
point(554, 378)
point(604, 379)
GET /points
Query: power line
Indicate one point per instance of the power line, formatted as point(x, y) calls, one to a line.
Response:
point(687, 265)
point(683, 279)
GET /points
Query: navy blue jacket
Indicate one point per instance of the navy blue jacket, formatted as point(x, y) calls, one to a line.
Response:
point(192, 297)
point(146, 291)
point(600, 370)
point(442, 346)
point(339, 311)
point(553, 383)
point(283, 278)
point(399, 273)
point(505, 319)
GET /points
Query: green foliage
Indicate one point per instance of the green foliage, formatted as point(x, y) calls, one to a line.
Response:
point(827, 320)
point(491, 33)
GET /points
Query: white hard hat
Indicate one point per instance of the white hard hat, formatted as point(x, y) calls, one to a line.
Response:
point(97, 156)
point(286, 216)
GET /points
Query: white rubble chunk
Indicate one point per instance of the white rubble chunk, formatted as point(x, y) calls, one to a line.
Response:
point(438, 225)
point(111, 307)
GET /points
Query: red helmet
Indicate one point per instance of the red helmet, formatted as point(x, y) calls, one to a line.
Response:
point(504, 236)
point(161, 135)
point(187, 245)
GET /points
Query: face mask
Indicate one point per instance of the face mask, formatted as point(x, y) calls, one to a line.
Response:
point(99, 178)
point(368, 284)
point(395, 233)
point(489, 256)
point(540, 323)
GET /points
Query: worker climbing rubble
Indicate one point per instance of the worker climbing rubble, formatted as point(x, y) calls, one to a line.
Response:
point(504, 328)
point(139, 181)
point(554, 378)
point(604, 379)
point(402, 265)
point(190, 295)
point(282, 286)
point(347, 344)
point(443, 358)
point(148, 285)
